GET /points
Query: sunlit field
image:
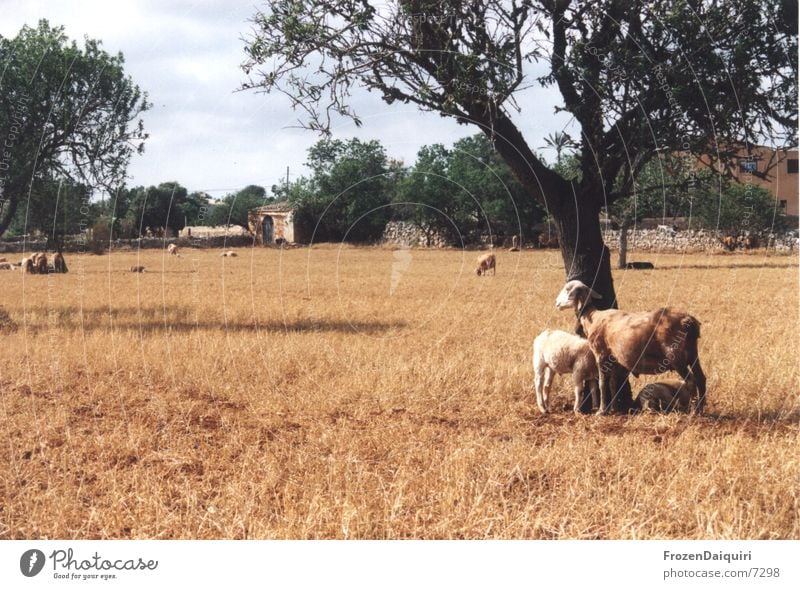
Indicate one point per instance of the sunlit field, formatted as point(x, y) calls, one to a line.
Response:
point(369, 393)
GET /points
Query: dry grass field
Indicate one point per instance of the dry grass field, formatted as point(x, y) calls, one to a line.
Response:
point(366, 393)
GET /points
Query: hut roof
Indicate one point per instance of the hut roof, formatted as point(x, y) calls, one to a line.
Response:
point(283, 206)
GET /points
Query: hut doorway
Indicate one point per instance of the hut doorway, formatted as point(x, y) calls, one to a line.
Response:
point(267, 229)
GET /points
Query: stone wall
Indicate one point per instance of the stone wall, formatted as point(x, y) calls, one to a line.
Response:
point(408, 235)
point(690, 241)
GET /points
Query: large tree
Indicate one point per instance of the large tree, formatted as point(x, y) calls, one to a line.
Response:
point(427, 198)
point(65, 112)
point(349, 191)
point(689, 76)
point(157, 208)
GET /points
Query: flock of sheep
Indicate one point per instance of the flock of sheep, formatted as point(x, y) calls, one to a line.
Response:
point(37, 264)
point(616, 343)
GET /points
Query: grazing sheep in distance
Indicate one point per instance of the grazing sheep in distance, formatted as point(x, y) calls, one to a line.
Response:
point(645, 342)
point(548, 241)
point(59, 265)
point(639, 266)
point(728, 242)
point(750, 242)
point(559, 352)
point(6, 266)
point(485, 263)
point(667, 396)
point(228, 254)
point(137, 268)
point(36, 264)
point(172, 250)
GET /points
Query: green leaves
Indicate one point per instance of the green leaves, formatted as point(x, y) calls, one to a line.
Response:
point(348, 192)
point(73, 112)
point(465, 192)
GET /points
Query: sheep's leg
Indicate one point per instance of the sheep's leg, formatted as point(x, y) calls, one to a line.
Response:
point(595, 393)
point(576, 408)
point(538, 384)
point(700, 381)
point(603, 384)
point(548, 381)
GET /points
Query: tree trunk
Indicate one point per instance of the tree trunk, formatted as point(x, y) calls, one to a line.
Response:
point(577, 216)
point(586, 258)
point(9, 207)
point(623, 245)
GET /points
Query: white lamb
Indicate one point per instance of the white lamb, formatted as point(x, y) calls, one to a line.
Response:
point(559, 352)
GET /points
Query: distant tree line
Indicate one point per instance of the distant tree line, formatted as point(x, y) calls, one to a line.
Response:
point(463, 193)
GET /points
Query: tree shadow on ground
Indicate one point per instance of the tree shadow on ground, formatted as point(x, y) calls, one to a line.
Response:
point(176, 319)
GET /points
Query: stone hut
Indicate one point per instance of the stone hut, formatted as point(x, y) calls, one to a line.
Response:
point(275, 224)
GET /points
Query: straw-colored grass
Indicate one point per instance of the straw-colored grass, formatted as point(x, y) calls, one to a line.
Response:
point(360, 393)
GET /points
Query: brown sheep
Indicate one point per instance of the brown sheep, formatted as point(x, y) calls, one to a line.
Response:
point(664, 397)
point(645, 342)
point(36, 264)
point(228, 254)
point(728, 242)
point(485, 263)
point(59, 265)
point(548, 241)
point(172, 250)
point(137, 269)
point(6, 266)
point(750, 242)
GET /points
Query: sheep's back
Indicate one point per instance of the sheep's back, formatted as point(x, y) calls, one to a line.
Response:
point(640, 340)
point(561, 351)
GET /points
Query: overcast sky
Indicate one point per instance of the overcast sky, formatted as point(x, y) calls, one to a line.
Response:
point(206, 135)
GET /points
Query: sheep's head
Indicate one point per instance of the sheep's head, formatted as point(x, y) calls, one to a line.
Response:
point(574, 295)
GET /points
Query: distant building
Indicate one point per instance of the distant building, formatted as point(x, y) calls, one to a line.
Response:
point(276, 223)
point(773, 170)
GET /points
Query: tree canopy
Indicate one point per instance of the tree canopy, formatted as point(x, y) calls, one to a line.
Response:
point(346, 197)
point(65, 112)
point(466, 192)
point(637, 76)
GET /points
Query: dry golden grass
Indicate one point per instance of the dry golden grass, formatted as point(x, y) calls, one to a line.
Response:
point(291, 395)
